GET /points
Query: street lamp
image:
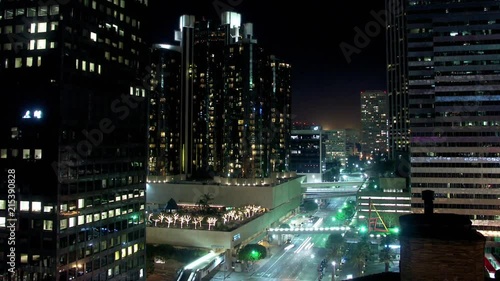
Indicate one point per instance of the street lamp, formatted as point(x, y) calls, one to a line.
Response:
point(333, 273)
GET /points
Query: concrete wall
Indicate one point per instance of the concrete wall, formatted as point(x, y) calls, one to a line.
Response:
point(268, 197)
point(221, 239)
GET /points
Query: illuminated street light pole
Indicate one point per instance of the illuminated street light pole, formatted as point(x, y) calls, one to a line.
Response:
point(333, 273)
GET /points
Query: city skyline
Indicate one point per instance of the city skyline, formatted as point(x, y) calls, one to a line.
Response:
point(327, 80)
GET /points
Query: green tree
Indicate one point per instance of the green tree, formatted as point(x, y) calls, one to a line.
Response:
point(390, 219)
point(310, 205)
point(252, 252)
point(360, 253)
point(335, 246)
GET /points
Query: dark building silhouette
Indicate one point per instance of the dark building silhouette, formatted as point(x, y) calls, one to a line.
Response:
point(73, 140)
point(234, 103)
point(397, 79)
point(164, 111)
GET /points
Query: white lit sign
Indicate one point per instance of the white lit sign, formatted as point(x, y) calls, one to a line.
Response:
point(37, 114)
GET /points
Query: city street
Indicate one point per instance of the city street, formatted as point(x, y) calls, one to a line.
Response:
point(301, 261)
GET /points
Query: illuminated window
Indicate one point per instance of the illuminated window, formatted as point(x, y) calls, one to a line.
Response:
point(54, 10)
point(36, 206)
point(84, 65)
point(32, 45)
point(47, 209)
point(91, 67)
point(24, 258)
point(104, 215)
point(111, 213)
point(38, 154)
point(24, 206)
point(42, 11)
point(81, 220)
point(118, 211)
point(20, 12)
point(32, 28)
point(41, 44)
point(42, 27)
point(29, 61)
point(3, 204)
point(117, 255)
point(2, 221)
point(3, 153)
point(72, 221)
point(93, 36)
point(88, 218)
point(97, 217)
point(18, 62)
point(63, 224)
point(53, 25)
point(9, 14)
point(26, 154)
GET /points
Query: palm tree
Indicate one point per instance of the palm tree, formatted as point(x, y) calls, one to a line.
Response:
point(360, 253)
point(358, 259)
point(386, 256)
point(335, 246)
point(204, 201)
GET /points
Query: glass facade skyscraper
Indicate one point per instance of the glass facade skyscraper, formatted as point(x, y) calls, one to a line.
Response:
point(454, 77)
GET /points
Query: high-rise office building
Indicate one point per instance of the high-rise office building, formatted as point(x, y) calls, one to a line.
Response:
point(397, 80)
point(373, 122)
point(73, 140)
point(336, 146)
point(454, 77)
point(308, 151)
point(353, 137)
point(235, 101)
point(164, 111)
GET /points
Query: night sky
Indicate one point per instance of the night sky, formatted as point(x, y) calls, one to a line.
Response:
point(326, 86)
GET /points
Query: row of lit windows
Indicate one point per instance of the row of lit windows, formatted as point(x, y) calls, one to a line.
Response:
point(43, 11)
point(39, 44)
point(40, 27)
point(20, 62)
point(47, 225)
point(27, 153)
point(82, 203)
point(82, 219)
point(114, 13)
point(87, 66)
point(36, 206)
